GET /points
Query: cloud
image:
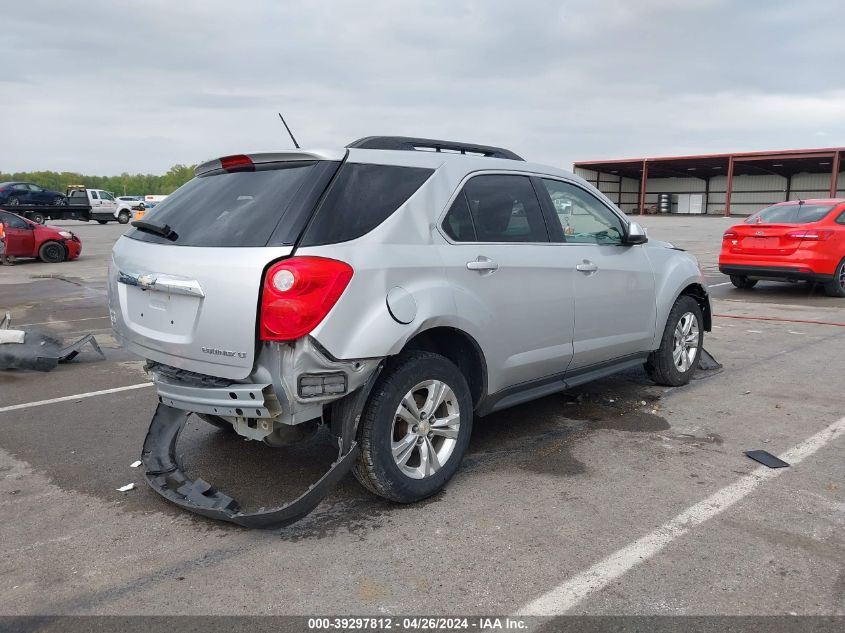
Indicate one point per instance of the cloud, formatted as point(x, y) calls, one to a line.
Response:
point(107, 87)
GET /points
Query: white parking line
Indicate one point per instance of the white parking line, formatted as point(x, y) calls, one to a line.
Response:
point(727, 283)
point(79, 396)
point(571, 592)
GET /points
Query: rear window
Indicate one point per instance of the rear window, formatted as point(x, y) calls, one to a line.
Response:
point(790, 214)
point(241, 209)
point(361, 198)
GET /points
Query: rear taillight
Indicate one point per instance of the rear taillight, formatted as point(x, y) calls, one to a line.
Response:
point(812, 235)
point(729, 235)
point(238, 162)
point(298, 293)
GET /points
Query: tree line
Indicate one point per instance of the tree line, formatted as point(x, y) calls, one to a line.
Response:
point(125, 184)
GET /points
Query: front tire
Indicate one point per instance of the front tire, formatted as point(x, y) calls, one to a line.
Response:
point(675, 361)
point(743, 282)
point(415, 429)
point(60, 201)
point(836, 287)
point(123, 217)
point(52, 253)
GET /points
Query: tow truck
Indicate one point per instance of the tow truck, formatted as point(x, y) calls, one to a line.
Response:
point(76, 208)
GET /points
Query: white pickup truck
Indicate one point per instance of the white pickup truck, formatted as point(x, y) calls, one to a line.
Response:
point(104, 206)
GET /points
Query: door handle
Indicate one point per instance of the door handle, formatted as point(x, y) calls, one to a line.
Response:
point(483, 264)
point(586, 267)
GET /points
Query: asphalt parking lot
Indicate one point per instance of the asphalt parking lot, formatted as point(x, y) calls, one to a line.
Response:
point(617, 498)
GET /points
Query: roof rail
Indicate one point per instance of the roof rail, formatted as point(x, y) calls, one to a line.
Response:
point(411, 144)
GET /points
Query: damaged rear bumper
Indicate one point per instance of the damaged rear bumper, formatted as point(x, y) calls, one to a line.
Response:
point(165, 476)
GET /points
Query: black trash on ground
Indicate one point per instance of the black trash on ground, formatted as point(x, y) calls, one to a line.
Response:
point(767, 459)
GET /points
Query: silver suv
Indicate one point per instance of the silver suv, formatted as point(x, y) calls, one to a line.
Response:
point(391, 291)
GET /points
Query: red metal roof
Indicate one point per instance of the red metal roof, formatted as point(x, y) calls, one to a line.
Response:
point(824, 152)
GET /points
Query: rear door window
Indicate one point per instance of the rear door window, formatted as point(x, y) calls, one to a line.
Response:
point(241, 209)
point(458, 221)
point(362, 197)
point(505, 208)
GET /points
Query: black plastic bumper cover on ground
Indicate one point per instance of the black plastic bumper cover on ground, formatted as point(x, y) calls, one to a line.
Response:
point(165, 476)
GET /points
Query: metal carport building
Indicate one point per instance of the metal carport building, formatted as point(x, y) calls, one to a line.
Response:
point(721, 184)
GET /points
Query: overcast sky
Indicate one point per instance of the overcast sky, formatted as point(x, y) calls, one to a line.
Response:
point(103, 87)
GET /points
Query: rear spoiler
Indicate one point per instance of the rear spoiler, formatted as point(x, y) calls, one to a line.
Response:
point(273, 157)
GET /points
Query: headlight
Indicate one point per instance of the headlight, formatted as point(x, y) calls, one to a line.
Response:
point(66, 234)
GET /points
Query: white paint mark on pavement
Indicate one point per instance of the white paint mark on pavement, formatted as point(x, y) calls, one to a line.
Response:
point(727, 283)
point(571, 592)
point(79, 396)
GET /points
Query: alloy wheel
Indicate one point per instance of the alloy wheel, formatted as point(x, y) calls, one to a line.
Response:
point(425, 429)
point(685, 346)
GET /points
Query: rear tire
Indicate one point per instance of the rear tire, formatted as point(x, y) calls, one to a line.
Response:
point(123, 217)
point(103, 221)
point(38, 218)
point(743, 282)
point(214, 420)
point(52, 253)
point(12, 201)
point(675, 361)
point(836, 287)
point(428, 445)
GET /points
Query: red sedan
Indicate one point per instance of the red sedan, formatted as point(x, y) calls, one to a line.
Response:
point(802, 240)
point(48, 243)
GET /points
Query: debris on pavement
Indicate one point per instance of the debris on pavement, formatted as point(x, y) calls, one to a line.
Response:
point(706, 361)
point(135, 464)
point(767, 459)
point(38, 350)
point(126, 488)
point(11, 336)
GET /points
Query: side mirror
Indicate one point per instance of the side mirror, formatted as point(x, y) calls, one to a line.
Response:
point(635, 234)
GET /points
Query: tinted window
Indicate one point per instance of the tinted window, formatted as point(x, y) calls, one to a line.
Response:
point(583, 218)
point(234, 209)
point(458, 222)
point(841, 218)
point(12, 221)
point(105, 195)
point(505, 209)
point(361, 198)
point(35, 188)
point(790, 214)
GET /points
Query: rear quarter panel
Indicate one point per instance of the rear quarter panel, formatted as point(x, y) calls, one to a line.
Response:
point(398, 252)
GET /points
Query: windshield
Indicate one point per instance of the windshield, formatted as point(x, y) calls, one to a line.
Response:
point(790, 214)
point(238, 209)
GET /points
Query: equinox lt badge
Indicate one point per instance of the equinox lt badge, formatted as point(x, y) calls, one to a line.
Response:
point(222, 352)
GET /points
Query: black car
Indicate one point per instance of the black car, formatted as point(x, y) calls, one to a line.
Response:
point(15, 193)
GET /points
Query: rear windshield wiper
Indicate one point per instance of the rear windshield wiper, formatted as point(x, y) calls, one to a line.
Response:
point(156, 229)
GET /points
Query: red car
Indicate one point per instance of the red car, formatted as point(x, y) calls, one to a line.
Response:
point(803, 240)
point(48, 243)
